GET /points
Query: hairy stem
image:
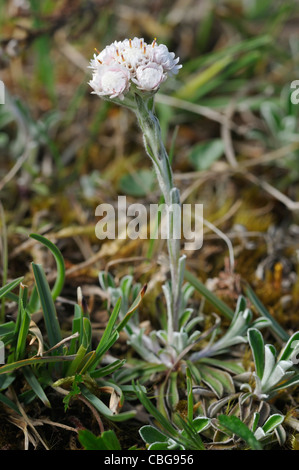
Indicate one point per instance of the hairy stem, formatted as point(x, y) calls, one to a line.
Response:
point(156, 151)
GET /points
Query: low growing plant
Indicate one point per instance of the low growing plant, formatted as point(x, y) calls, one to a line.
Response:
point(69, 364)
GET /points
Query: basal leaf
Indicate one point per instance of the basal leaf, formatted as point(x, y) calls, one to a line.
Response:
point(236, 426)
point(257, 346)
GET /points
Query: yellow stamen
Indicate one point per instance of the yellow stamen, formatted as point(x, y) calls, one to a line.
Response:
point(130, 42)
point(141, 43)
point(123, 59)
point(154, 42)
point(117, 53)
point(144, 50)
point(99, 61)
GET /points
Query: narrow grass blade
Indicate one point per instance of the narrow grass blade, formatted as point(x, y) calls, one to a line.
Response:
point(7, 328)
point(109, 369)
point(36, 386)
point(22, 302)
point(101, 351)
point(7, 402)
point(132, 309)
point(59, 263)
point(103, 409)
point(32, 361)
point(189, 436)
point(190, 402)
point(75, 364)
point(48, 307)
point(164, 422)
point(111, 322)
point(9, 287)
point(275, 327)
point(191, 86)
point(224, 309)
point(22, 332)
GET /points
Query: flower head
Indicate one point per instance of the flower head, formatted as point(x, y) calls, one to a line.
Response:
point(131, 61)
point(111, 80)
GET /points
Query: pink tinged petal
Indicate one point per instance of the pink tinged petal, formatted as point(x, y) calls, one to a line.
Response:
point(111, 81)
point(149, 77)
point(162, 56)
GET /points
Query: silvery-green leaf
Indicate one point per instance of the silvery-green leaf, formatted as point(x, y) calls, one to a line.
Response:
point(278, 373)
point(226, 342)
point(269, 364)
point(258, 391)
point(241, 304)
point(136, 342)
point(172, 395)
point(245, 396)
point(165, 358)
point(232, 366)
point(126, 283)
point(201, 423)
point(213, 383)
point(241, 313)
point(244, 377)
point(272, 422)
point(280, 435)
point(246, 387)
point(162, 335)
point(153, 336)
point(191, 324)
point(289, 383)
point(165, 446)
point(203, 391)
point(260, 323)
point(106, 280)
point(180, 341)
point(150, 434)
point(291, 346)
point(187, 292)
point(216, 406)
point(255, 422)
point(168, 297)
point(272, 348)
point(259, 434)
point(182, 265)
point(256, 342)
point(223, 377)
point(194, 370)
point(185, 316)
point(194, 337)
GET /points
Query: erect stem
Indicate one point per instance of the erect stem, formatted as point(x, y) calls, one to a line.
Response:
point(156, 151)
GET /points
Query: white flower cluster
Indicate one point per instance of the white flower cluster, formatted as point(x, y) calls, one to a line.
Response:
point(131, 60)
